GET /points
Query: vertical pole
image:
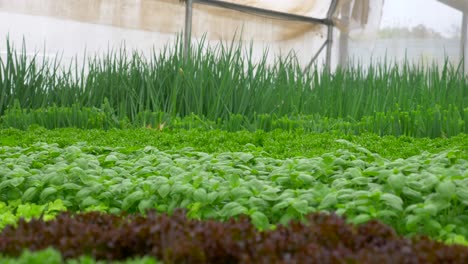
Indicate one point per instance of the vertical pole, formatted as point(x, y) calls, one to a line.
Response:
point(344, 35)
point(329, 47)
point(331, 11)
point(188, 27)
point(463, 43)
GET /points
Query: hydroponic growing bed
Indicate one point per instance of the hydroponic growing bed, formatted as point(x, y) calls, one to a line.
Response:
point(220, 160)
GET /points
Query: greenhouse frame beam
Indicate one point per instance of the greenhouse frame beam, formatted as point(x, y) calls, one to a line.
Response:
point(328, 21)
point(331, 26)
point(461, 5)
point(266, 12)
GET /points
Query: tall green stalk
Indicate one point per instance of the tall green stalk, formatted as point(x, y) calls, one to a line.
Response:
point(221, 81)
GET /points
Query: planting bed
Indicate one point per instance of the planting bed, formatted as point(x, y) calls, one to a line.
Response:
point(176, 239)
point(217, 159)
point(426, 194)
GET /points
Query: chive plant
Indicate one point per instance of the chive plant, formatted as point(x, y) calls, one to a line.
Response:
point(221, 82)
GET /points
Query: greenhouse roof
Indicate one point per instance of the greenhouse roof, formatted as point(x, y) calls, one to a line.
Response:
point(461, 5)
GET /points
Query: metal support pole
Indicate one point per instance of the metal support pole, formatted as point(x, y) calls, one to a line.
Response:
point(344, 36)
point(188, 28)
point(331, 11)
point(329, 48)
point(315, 57)
point(463, 43)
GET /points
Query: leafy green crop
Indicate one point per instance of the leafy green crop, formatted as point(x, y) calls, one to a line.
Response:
point(279, 144)
point(12, 211)
point(52, 256)
point(431, 122)
point(427, 193)
point(175, 238)
point(223, 85)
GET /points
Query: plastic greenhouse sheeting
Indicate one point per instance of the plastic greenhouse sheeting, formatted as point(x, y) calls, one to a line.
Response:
point(70, 27)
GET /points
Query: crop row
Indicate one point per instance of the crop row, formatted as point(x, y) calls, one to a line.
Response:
point(432, 122)
point(52, 256)
point(321, 238)
point(221, 83)
point(425, 194)
point(278, 144)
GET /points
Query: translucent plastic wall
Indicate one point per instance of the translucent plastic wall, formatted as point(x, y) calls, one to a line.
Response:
point(418, 31)
point(365, 30)
point(280, 37)
point(70, 27)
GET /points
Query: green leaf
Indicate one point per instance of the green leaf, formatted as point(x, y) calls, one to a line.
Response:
point(260, 220)
point(88, 179)
point(286, 218)
point(211, 197)
point(446, 189)
point(392, 201)
point(386, 214)
point(429, 181)
point(440, 202)
point(258, 203)
point(300, 206)
point(306, 179)
point(433, 225)
point(360, 219)
point(164, 190)
point(269, 195)
point(200, 195)
point(194, 210)
point(411, 194)
point(283, 180)
point(458, 239)
point(69, 186)
point(7, 218)
point(146, 204)
point(430, 209)
point(88, 202)
point(9, 183)
point(46, 193)
point(397, 181)
point(30, 194)
point(17, 181)
point(462, 195)
point(412, 222)
point(360, 181)
point(82, 163)
point(255, 186)
point(131, 199)
point(234, 180)
point(232, 209)
point(111, 158)
point(29, 211)
point(240, 192)
point(54, 178)
point(76, 172)
point(329, 201)
point(355, 173)
point(281, 205)
point(83, 193)
point(180, 188)
point(246, 157)
point(209, 213)
point(56, 206)
point(18, 172)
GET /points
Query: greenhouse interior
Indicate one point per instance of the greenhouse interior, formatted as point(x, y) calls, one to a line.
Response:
point(233, 131)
